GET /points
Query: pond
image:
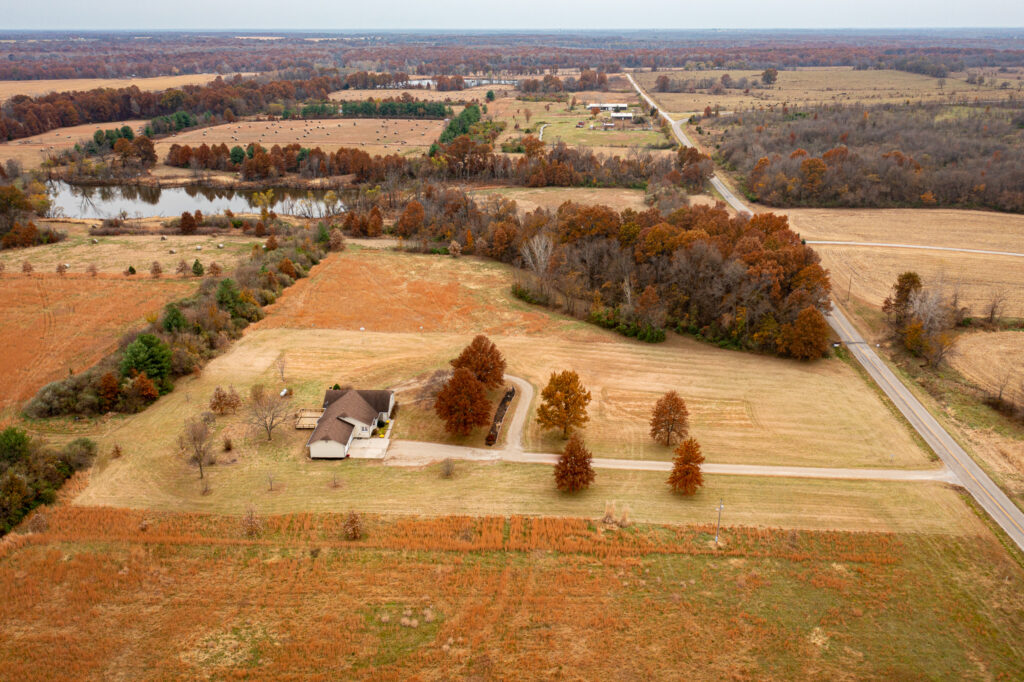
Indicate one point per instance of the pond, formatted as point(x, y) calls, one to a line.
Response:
point(77, 201)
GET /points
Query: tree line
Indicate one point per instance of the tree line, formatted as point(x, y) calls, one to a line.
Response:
point(891, 155)
point(22, 116)
point(188, 332)
point(743, 281)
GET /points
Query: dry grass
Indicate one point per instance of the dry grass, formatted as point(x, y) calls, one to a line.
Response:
point(375, 136)
point(822, 85)
point(112, 254)
point(35, 88)
point(529, 199)
point(189, 597)
point(52, 325)
point(993, 361)
point(874, 269)
point(929, 227)
point(32, 151)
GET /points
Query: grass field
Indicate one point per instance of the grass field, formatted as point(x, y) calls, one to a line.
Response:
point(821, 85)
point(985, 230)
point(34, 88)
point(375, 136)
point(32, 151)
point(112, 254)
point(874, 269)
point(189, 596)
point(52, 325)
point(529, 199)
point(745, 409)
point(993, 360)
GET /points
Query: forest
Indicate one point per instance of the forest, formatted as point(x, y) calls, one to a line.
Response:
point(112, 55)
point(964, 156)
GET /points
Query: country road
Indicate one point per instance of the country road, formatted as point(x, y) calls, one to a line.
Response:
point(966, 471)
point(417, 453)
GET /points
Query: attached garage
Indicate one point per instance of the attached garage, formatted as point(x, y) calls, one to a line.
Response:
point(348, 414)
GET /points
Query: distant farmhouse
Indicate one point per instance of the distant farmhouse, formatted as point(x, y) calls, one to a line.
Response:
point(348, 414)
point(606, 106)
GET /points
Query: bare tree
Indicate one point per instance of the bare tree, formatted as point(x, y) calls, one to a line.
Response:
point(994, 307)
point(281, 364)
point(267, 409)
point(537, 253)
point(195, 441)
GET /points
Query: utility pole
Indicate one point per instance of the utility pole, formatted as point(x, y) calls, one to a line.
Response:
point(721, 505)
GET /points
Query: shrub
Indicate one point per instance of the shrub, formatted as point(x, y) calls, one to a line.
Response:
point(352, 529)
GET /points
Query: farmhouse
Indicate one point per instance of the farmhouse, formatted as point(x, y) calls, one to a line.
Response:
point(348, 414)
point(608, 106)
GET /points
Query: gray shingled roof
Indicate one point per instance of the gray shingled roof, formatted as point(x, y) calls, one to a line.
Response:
point(362, 406)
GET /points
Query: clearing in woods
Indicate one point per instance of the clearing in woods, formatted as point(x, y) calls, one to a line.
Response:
point(113, 253)
point(138, 593)
point(32, 151)
point(820, 85)
point(52, 324)
point(373, 135)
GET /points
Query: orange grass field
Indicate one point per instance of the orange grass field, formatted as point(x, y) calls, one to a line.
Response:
point(34, 88)
point(135, 594)
point(52, 324)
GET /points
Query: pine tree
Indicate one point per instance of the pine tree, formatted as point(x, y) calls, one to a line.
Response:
point(462, 404)
point(670, 419)
point(484, 360)
point(573, 471)
point(564, 403)
point(686, 476)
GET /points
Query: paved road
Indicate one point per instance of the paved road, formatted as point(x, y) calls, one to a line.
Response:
point(416, 453)
point(917, 246)
point(964, 468)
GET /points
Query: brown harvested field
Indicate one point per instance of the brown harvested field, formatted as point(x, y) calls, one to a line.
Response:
point(34, 88)
point(874, 269)
point(112, 254)
point(32, 151)
point(375, 136)
point(820, 85)
point(984, 230)
point(52, 324)
point(186, 596)
point(454, 96)
point(992, 360)
point(529, 199)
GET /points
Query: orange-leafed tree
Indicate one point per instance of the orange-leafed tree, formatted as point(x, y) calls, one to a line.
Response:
point(462, 403)
point(686, 476)
point(410, 222)
point(573, 471)
point(109, 390)
point(806, 338)
point(670, 420)
point(564, 403)
point(484, 360)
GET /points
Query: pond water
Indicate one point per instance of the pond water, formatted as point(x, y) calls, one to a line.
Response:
point(77, 201)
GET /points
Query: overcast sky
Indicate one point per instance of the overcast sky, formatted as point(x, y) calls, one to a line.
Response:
point(519, 14)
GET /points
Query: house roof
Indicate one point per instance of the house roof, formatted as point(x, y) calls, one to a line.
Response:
point(340, 406)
